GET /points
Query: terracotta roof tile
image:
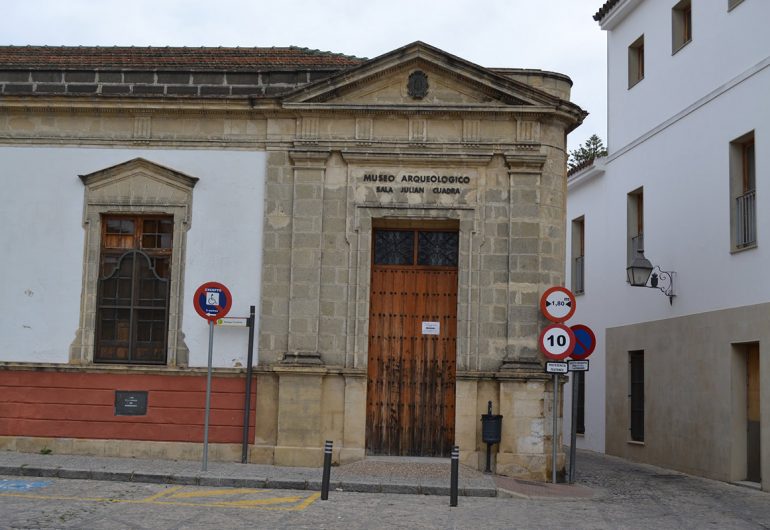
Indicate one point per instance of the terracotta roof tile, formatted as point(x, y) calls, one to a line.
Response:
point(605, 9)
point(581, 166)
point(158, 58)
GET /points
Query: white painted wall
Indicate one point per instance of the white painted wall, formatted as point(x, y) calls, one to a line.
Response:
point(42, 241)
point(724, 45)
point(683, 167)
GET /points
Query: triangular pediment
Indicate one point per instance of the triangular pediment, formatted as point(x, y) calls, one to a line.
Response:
point(451, 82)
point(138, 169)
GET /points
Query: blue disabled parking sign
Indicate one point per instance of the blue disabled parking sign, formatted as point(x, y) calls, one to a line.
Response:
point(212, 300)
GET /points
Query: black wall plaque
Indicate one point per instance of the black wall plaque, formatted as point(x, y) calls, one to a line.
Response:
point(130, 402)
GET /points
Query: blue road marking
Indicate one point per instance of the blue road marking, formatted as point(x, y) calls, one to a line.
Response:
point(21, 485)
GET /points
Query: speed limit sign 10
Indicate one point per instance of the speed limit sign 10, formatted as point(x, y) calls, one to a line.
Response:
point(557, 342)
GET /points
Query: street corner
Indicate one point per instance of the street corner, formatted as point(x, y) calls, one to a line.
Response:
point(527, 489)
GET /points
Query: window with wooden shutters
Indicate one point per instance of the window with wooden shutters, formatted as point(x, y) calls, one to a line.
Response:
point(578, 255)
point(636, 62)
point(681, 25)
point(141, 210)
point(133, 290)
point(635, 225)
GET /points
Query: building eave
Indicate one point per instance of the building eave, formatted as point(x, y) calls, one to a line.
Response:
point(587, 174)
point(614, 11)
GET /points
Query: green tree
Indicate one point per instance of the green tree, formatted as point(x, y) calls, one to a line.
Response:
point(591, 149)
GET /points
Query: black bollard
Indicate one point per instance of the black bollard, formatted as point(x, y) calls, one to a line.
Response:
point(327, 470)
point(455, 473)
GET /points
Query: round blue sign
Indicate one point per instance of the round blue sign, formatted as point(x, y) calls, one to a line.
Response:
point(585, 342)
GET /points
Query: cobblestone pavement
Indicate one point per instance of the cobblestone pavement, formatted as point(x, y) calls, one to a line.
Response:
point(620, 495)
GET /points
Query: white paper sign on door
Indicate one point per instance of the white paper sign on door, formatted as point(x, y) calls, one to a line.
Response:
point(431, 328)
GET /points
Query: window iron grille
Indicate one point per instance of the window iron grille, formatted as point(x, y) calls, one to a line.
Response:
point(746, 220)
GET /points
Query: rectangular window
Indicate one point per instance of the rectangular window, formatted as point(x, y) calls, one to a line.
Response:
point(578, 255)
point(636, 62)
point(681, 25)
point(636, 394)
point(133, 289)
point(580, 421)
point(743, 201)
point(635, 224)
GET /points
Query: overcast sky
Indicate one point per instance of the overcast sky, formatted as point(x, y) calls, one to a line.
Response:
point(555, 35)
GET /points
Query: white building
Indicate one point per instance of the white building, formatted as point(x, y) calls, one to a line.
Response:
point(684, 385)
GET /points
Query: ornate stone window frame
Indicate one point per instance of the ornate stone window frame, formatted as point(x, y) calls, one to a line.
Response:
point(137, 186)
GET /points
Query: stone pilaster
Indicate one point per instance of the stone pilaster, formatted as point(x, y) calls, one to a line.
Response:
point(524, 280)
point(306, 253)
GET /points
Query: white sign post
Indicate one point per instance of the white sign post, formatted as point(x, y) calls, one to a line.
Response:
point(212, 301)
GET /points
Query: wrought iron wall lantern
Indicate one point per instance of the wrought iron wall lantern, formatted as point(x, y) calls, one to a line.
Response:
point(642, 273)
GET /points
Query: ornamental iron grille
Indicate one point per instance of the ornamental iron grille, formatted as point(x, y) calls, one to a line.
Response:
point(392, 247)
point(133, 293)
point(438, 249)
point(425, 248)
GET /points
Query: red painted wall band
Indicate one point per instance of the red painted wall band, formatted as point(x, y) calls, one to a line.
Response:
point(82, 405)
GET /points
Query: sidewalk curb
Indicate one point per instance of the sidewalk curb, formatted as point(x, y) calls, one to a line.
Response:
point(238, 482)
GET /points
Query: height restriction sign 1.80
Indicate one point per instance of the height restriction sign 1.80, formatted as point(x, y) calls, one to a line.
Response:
point(557, 342)
point(558, 304)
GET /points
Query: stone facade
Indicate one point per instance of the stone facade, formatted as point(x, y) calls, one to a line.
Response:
point(488, 150)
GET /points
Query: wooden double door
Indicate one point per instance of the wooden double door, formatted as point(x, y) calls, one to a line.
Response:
point(412, 342)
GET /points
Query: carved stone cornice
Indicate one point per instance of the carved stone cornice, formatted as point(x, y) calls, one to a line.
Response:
point(526, 162)
point(440, 158)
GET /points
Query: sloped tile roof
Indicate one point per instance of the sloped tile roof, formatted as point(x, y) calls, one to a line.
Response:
point(158, 58)
point(605, 9)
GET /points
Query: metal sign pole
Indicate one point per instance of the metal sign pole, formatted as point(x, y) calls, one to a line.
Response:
point(554, 435)
point(208, 399)
point(247, 403)
point(573, 430)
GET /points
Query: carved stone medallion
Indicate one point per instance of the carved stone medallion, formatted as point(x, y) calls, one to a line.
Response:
point(417, 87)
